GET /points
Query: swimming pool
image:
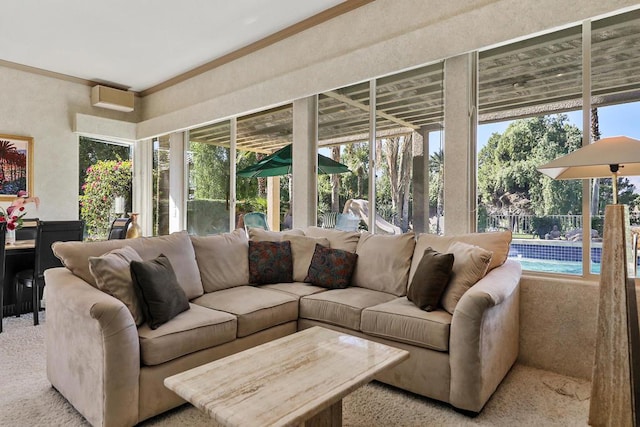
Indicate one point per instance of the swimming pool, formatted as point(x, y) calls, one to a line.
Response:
point(553, 266)
point(554, 256)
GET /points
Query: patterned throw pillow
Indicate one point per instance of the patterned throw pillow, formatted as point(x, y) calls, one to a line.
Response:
point(270, 262)
point(331, 268)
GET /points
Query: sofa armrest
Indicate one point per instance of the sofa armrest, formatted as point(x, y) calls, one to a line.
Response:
point(484, 336)
point(93, 353)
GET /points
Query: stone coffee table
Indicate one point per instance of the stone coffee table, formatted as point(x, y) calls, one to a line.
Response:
point(297, 379)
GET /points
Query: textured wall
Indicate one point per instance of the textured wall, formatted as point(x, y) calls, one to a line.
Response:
point(45, 108)
point(558, 320)
point(382, 37)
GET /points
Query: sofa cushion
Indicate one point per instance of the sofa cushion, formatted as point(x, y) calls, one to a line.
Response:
point(302, 247)
point(162, 298)
point(384, 262)
point(302, 250)
point(223, 260)
point(192, 330)
point(400, 320)
point(113, 276)
point(470, 264)
point(176, 246)
point(270, 262)
point(497, 242)
point(345, 240)
point(341, 307)
point(297, 289)
point(256, 308)
point(261, 235)
point(331, 268)
point(430, 280)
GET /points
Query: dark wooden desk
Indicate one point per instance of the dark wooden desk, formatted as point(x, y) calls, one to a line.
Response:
point(19, 256)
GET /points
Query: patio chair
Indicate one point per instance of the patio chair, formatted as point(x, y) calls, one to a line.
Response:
point(347, 222)
point(329, 219)
point(255, 220)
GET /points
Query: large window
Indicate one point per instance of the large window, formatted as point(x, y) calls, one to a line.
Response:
point(408, 118)
point(531, 112)
point(343, 133)
point(615, 89)
point(523, 90)
point(105, 184)
point(268, 190)
point(208, 157)
point(161, 185)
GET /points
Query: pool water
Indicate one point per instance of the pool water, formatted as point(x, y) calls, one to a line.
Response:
point(551, 266)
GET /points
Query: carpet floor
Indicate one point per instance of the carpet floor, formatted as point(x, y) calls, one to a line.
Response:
point(527, 396)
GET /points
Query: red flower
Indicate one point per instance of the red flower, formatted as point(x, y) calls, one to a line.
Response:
point(11, 226)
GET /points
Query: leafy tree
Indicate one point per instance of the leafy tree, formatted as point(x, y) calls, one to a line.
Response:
point(508, 179)
point(210, 171)
point(104, 181)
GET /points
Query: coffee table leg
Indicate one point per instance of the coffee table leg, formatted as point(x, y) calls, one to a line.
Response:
point(330, 417)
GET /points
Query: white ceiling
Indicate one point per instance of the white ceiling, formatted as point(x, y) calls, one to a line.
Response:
point(137, 44)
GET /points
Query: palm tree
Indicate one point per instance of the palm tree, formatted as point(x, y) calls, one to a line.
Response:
point(436, 172)
point(595, 136)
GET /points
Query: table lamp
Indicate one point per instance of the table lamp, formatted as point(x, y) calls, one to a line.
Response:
point(615, 389)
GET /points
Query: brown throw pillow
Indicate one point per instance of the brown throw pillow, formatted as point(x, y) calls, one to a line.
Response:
point(270, 262)
point(431, 279)
point(331, 268)
point(163, 298)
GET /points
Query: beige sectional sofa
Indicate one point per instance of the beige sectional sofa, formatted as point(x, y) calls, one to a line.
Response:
point(112, 371)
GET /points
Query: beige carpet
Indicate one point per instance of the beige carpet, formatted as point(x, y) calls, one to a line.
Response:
point(527, 397)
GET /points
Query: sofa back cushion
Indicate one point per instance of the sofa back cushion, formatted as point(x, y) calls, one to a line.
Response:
point(261, 235)
point(384, 262)
point(495, 242)
point(302, 249)
point(176, 247)
point(345, 240)
point(223, 260)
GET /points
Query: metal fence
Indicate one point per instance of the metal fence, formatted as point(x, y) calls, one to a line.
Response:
point(524, 224)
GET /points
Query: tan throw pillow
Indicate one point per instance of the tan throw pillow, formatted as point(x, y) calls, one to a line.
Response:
point(496, 242)
point(302, 249)
point(383, 262)
point(345, 240)
point(223, 260)
point(470, 264)
point(113, 276)
point(430, 280)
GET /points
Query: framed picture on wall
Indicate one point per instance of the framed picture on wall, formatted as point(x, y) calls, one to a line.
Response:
point(16, 165)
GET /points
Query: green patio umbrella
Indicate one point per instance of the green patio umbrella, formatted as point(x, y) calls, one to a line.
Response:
point(279, 163)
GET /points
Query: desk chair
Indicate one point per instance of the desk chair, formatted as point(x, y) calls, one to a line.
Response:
point(3, 237)
point(48, 233)
point(119, 228)
point(255, 220)
point(29, 229)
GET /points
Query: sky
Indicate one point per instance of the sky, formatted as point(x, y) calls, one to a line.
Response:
point(614, 120)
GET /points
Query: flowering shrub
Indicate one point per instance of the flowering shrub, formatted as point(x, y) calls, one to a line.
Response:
point(105, 180)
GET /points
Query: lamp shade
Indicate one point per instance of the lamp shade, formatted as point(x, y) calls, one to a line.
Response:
point(594, 160)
